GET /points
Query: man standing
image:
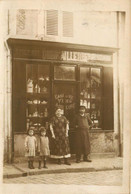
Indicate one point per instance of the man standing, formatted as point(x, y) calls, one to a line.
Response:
point(82, 124)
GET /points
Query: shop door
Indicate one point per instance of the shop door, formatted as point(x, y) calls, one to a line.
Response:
point(65, 98)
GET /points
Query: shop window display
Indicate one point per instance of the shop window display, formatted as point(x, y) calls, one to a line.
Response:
point(90, 93)
point(37, 98)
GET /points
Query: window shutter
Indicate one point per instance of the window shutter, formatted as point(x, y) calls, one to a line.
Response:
point(108, 98)
point(52, 22)
point(67, 24)
point(19, 98)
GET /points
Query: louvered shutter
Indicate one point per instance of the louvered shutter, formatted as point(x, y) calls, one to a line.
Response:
point(67, 24)
point(52, 22)
point(107, 98)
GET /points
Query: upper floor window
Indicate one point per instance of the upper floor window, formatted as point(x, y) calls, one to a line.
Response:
point(59, 23)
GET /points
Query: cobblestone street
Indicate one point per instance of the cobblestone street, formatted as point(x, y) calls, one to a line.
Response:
point(102, 178)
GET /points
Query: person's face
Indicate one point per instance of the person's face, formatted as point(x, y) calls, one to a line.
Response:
point(43, 133)
point(82, 110)
point(58, 112)
point(31, 132)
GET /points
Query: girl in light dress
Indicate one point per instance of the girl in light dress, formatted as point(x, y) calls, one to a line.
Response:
point(30, 146)
point(43, 147)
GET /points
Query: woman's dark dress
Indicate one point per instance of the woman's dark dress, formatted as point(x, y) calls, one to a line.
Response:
point(60, 145)
point(82, 124)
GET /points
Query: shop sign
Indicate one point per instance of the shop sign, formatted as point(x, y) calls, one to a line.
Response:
point(75, 56)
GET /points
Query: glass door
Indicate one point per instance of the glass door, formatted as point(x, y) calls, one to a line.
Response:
point(65, 98)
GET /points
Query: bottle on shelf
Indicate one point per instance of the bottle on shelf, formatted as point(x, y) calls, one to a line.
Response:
point(30, 86)
point(36, 88)
point(46, 113)
point(81, 102)
point(27, 124)
point(85, 103)
point(44, 90)
point(88, 105)
point(85, 95)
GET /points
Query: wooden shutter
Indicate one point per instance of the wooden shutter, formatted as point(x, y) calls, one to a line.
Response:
point(107, 98)
point(67, 24)
point(19, 91)
point(52, 22)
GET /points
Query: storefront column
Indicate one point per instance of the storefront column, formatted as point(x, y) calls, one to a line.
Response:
point(8, 104)
point(116, 104)
point(121, 75)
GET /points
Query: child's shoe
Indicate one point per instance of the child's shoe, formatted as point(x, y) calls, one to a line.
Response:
point(45, 164)
point(29, 164)
point(32, 166)
point(39, 165)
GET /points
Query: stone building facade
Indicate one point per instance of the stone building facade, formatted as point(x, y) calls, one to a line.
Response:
point(47, 35)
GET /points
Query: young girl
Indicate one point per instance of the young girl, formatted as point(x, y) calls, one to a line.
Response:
point(30, 146)
point(43, 147)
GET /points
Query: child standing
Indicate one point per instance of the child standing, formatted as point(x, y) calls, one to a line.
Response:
point(30, 145)
point(43, 147)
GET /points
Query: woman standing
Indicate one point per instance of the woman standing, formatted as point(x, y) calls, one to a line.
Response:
point(59, 127)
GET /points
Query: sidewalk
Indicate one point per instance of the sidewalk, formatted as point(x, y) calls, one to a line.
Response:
point(97, 164)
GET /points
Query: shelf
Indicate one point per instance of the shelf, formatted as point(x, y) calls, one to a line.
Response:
point(38, 117)
point(35, 93)
point(82, 98)
point(37, 104)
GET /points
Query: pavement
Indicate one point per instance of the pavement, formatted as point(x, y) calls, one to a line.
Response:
point(20, 169)
point(100, 178)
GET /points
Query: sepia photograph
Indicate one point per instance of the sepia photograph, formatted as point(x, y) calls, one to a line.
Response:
point(65, 96)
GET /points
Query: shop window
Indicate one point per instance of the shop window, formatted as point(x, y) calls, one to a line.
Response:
point(37, 95)
point(90, 93)
point(64, 72)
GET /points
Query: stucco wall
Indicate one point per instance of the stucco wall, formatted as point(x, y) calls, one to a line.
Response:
point(97, 28)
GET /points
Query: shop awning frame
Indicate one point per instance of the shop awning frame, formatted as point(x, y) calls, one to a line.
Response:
point(61, 46)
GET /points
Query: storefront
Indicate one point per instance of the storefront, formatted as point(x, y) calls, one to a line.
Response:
point(47, 75)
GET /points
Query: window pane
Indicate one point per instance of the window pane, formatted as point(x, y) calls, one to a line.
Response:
point(90, 93)
point(85, 87)
point(95, 77)
point(96, 97)
point(64, 73)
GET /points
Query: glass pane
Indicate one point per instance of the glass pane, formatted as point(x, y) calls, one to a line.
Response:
point(64, 72)
point(85, 87)
point(43, 79)
point(96, 97)
point(95, 77)
point(64, 97)
point(31, 77)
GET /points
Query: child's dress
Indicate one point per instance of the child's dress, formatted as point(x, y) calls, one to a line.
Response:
point(43, 146)
point(30, 145)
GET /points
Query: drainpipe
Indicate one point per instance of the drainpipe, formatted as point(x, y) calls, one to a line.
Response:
point(118, 74)
point(9, 105)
